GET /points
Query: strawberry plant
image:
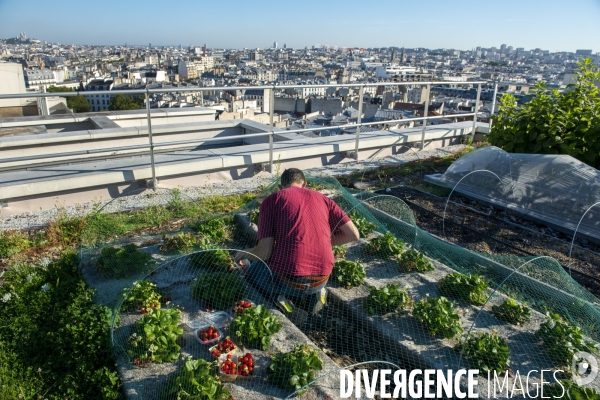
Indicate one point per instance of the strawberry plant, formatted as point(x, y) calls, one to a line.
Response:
point(512, 312)
point(569, 390)
point(295, 369)
point(124, 261)
point(218, 290)
point(240, 306)
point(216, 230)
point(255, 327)
point(155, 337)
point(212, 258)
point(196, 380)
point(384, 246)
point(389, 298)
point(412, 260)
point(253, 216)
point(181, 243)
point(469, 288)
point(364, 226)
point(339, 251)
point(438, 316)
point(142, 295)
point(349, 273)
point(562, 339)
point(486, 352)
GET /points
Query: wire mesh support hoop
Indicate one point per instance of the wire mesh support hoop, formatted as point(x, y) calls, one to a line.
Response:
point(149, 121)
point(450, 195)
point(575, 233)
point(490, 296)
point(337, 371)
point(380, 150)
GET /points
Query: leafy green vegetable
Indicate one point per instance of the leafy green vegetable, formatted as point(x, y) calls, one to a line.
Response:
point(142, 294)
point(124, 261)
point(218, 290)
point(469, 288)
point(384, 246)
point(363, 225)
point(439, 316)
point(253, 215)
point(196, 380)
point(339, 251)
point(568, 390)
point(216, 230)
point(389, 298)
point(155, 337)
point(212, 258)
point(487, 352)
point(562, 339)
point(512, 312)
point(181, 243)
point(295, 369)
point(255, 327)
point(349, 273)
point(412, 260)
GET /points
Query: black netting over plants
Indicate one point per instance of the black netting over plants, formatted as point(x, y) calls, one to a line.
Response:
point(202, 303)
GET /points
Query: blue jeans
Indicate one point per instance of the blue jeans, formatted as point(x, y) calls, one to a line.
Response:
point(260, 276)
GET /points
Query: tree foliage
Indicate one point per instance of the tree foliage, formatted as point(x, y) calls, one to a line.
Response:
point(76, 103)
point(122, 102)
point(554, 122)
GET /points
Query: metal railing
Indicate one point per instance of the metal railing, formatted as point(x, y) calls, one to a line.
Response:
point(269, 90)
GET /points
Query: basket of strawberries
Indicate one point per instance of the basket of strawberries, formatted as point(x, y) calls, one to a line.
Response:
point(208, 335)
point(225, 347)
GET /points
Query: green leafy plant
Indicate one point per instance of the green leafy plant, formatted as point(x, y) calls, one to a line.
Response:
point(438, 316)
point(385, 246)
point(255, 327)
point(213, 258)
point(216, 230)
point(143, 294)
point(218, 290)
point(253, 215)
point(389, 298)
point(485, 351)
point(569, 390)
point(295, 369)
point(196, 380)
point(349, 273)
point(512, 312)
point(124, 261)
point(362, 224)
point(412, 260)
point(12, 242)
point(469, 288)
point(562, 339)
point(339, 251)
point(184, 242)
point(155, 337)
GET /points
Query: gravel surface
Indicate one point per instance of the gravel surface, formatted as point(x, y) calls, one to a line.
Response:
point(145, 198)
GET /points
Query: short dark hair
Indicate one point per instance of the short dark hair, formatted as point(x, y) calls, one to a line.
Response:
point(292, 175)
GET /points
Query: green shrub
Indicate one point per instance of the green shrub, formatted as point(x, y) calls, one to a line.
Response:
point(196, 380)
point(124, 261)
point(412, 260)
point(12, 242)
point(512, 312)
point(389, 298)
point(469, 288)
point(295, 369)
point(155, 337)
point(349, 273)
point(486, 352)
point(438, 316)
point(218, 290)
point(562, 340)
point(362, 224)
point(255, 327)
point(384, 246)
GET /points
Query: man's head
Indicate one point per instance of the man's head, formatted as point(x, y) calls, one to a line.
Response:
point(292, 177)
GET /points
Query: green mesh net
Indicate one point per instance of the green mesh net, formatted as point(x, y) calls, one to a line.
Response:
point(398, 297)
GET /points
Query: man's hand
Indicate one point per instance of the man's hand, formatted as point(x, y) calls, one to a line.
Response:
point(347, 233)
point(262, 251)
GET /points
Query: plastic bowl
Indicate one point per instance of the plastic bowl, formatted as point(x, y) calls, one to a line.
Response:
point(211, 341)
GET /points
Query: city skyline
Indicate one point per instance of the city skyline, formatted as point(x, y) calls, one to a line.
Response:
point(546, 25)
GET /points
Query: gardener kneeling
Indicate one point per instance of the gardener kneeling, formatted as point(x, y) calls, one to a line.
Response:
point(297, 228)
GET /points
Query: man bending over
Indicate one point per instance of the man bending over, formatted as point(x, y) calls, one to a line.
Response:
point(297, 228)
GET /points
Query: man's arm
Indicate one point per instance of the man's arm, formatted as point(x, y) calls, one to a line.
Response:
point(347, 233)
point(262, 251)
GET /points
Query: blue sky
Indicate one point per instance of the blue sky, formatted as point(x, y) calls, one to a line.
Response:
point(550, 24)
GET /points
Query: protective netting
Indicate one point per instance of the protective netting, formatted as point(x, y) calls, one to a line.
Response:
point(397, 297)
point(556, 189)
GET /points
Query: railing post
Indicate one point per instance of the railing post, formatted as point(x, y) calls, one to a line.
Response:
point(271, 112)
point(361, 91)
point(493, 104)
point(425, 114)
point(154, 183)
point(476, 109)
